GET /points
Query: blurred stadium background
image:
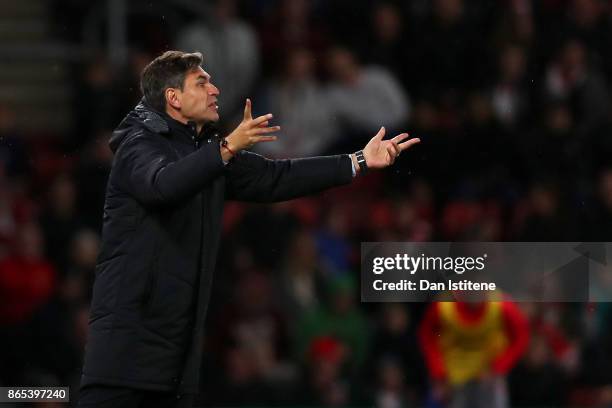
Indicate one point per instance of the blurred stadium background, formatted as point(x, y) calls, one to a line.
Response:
point(511, 99)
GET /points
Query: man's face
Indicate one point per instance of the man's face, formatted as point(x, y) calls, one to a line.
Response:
point(198, 99)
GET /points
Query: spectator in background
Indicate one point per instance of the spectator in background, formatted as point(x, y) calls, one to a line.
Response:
point(8, 221)
point(241, 383)
point(516, 24)
point(469, 347)
point(83, 253)
point(410, 221)
point(13, 150)
point(90, 179)
point(510, 93)
point(546, 324)
point(598, 227)
point(545, 218)
point(279, 222)
point(102, 112)
point(253, 327)
point(301, 280)
point(128, 87)
point(572, 78)
point(586, 21)
point(391, 391)
point(402, 219)
point(338, 318)
point(326, 383)
point(27, 279)
point(231, 52)
point(60, 221)
point(555, 148)
point(537, 381)
point(63, 321)
point(380, 97)
point(434, 159)
point(293, 25)
point(392, 355)
point(485, 150)
point(448, 54)
point(386, 45)
point(596, 148)
point(302, 106)
point(333, 241)
point(467, 219)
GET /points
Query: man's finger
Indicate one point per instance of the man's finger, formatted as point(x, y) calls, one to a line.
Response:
point(396, 148)
point(268, 129)
point(261, 119)
point(257, 139)
point(380, 134)
point(247, 110)
point(408, 143)
point(400, 137)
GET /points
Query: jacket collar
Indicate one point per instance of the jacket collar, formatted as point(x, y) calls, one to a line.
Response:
point(150, 118)
point(162, 123)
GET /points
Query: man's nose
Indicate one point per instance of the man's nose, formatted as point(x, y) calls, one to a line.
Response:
point(213, 90)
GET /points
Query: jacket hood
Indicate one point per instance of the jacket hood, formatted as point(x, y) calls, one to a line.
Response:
point(141, 116)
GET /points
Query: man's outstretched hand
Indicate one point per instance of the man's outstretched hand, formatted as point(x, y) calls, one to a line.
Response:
point(380, 153)
point(249, 132)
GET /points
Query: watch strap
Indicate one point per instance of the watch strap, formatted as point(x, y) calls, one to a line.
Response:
point(363, 167)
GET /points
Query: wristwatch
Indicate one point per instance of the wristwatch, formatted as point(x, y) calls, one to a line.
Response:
point(363, 166)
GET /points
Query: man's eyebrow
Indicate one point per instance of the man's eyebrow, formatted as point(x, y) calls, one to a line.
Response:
point(206, 78)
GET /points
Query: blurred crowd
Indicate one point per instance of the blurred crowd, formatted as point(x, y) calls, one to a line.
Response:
point(512, 101)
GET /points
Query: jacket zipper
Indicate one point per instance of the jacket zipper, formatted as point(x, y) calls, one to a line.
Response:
point(180, 380)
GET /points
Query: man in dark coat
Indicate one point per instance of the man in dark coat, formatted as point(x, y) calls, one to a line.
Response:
point(170, 177)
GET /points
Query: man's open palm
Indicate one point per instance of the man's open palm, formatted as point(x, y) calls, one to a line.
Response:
point(380, 153)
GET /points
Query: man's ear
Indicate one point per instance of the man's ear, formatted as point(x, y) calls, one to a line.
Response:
point(173, 98)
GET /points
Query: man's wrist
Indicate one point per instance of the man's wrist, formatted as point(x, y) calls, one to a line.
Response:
point(227, 151)
point(354, 165)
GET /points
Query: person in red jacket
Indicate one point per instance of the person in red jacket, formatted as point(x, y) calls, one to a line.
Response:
point(27, 280)
point(469, 348)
